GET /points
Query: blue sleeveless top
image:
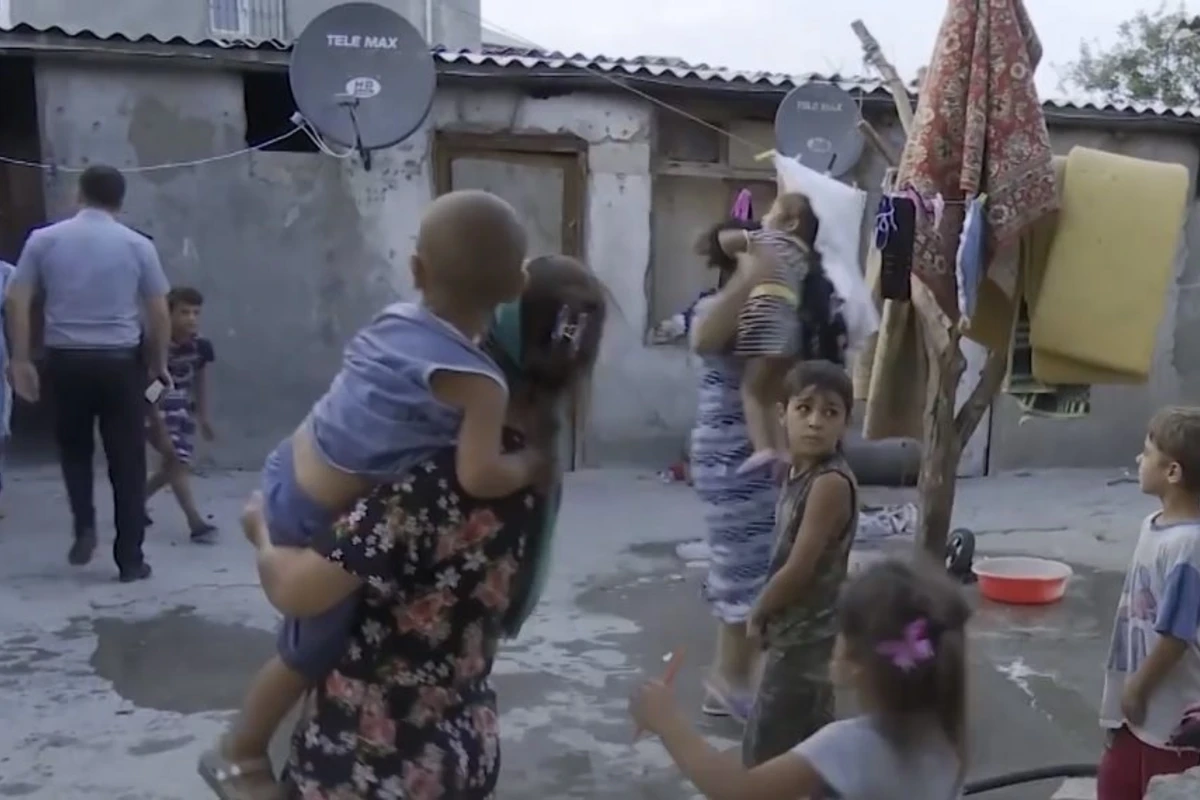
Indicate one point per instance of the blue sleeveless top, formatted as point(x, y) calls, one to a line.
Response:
point(379, 418)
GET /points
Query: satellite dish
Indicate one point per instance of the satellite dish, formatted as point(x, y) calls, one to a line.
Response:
point(817, 124)
point(363, 77)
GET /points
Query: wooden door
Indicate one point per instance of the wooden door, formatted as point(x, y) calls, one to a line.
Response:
point(545, 179)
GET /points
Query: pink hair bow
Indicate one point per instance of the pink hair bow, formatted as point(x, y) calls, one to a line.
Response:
point(912, 650)
point(743, 207)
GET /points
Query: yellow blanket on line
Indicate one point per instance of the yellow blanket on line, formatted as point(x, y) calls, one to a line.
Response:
point(1094, 277)
point(1095, 274)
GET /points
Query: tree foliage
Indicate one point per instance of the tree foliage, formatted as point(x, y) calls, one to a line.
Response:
point(1152, 60)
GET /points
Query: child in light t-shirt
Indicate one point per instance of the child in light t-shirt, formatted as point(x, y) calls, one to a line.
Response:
point(1152, 678)
point(901, 647)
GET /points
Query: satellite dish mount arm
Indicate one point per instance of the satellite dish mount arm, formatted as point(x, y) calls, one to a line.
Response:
point(351, 104)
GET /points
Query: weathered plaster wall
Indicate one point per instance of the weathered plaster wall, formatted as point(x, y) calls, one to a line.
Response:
point(295, 251)
point(642, 398)
point(287, 249)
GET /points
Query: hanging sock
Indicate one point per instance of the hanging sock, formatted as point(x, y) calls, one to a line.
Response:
point(743, 206)
point(895, 228)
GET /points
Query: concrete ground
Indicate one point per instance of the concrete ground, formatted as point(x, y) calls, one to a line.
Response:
point(110, 690)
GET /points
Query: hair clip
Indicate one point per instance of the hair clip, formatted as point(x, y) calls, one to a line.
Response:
point(568, 329)
point(915, 648)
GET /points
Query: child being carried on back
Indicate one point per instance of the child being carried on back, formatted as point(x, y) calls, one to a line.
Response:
point(768, 331)
point(378, 420)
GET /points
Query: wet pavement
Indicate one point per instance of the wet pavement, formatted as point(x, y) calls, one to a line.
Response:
point(111, 690)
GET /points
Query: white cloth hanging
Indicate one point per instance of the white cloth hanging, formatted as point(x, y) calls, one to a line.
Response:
point(839, 209)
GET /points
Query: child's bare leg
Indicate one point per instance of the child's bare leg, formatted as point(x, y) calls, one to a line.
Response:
point(273, 693)
point(239, 765)
point(737, 656)
point(760, 391)
point(734, 672)
point(181, 487)
point(158, 480)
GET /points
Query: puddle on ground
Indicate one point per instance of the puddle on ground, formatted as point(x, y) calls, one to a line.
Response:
point(179, 661)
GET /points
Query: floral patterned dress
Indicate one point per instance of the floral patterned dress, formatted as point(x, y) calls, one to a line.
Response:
point(409, 713)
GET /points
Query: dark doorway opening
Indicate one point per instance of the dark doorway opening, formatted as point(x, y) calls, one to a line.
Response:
point(23, 208)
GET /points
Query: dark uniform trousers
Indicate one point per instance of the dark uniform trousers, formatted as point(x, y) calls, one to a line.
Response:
point(105, 386)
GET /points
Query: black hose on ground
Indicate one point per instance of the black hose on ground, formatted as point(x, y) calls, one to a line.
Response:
point(1030, 776)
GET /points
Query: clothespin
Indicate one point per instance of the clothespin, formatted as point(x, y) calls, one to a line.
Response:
point(764, 155)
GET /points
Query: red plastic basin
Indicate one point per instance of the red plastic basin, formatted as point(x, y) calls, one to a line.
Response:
point(1019, 580)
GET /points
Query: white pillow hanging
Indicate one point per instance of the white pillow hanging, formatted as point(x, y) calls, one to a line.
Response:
point(839, 209)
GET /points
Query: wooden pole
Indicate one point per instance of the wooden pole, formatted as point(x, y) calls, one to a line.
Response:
point(946, 433)
point(877, 141)
point(876, 58)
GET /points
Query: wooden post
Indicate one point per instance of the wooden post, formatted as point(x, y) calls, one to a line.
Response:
point(945, 433)
point(876, 59)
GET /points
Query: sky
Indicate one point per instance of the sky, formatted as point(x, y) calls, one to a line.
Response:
point(792, 36)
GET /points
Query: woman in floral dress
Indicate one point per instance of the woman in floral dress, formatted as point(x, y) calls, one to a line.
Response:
point(409, 712)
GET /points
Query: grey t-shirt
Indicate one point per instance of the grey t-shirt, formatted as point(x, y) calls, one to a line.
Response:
point(96, 273)
point(857, 762)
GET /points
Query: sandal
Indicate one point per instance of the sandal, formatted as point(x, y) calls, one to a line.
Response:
point(712, 707)
point(252, 779)
point(736, 704)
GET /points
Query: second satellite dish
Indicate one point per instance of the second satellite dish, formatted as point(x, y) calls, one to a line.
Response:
point(363, 76)
point(817, 123)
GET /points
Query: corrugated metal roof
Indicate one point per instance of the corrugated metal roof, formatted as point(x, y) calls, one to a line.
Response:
point(646, 68)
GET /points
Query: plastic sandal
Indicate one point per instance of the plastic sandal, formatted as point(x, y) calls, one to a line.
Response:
point(227, 778)
point(736, 704)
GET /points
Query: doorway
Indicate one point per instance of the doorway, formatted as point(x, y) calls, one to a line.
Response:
point(23, 208)
point(545, 179)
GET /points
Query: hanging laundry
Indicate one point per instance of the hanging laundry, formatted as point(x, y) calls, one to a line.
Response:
point(1104, 284)
point(971, 259)
point(743, 206)
point(895, 229)
point(1091, 283)
point(1034, 398)
point(839, 209)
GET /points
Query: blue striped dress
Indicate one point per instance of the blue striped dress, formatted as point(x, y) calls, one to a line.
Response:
point(739, 510)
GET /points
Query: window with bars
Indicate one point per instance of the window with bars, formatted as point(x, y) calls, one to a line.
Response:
point(251, 19)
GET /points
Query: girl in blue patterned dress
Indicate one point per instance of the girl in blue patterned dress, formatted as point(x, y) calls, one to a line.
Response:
point(739, 507)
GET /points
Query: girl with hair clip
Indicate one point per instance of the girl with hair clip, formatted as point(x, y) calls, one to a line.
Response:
point(901, 648)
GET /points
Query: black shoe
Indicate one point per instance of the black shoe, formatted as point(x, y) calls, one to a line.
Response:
point(140, 573)
point(83, 548)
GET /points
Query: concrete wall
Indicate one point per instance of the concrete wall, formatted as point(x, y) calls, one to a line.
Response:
point(295, 251)
point(455, 25)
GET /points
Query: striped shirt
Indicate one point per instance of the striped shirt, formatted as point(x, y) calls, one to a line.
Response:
point(769, 323)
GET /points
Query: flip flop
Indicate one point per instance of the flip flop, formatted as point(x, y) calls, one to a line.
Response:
point(205, 534)
point(711, 707)
point(736, 704)
point(229, 779)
